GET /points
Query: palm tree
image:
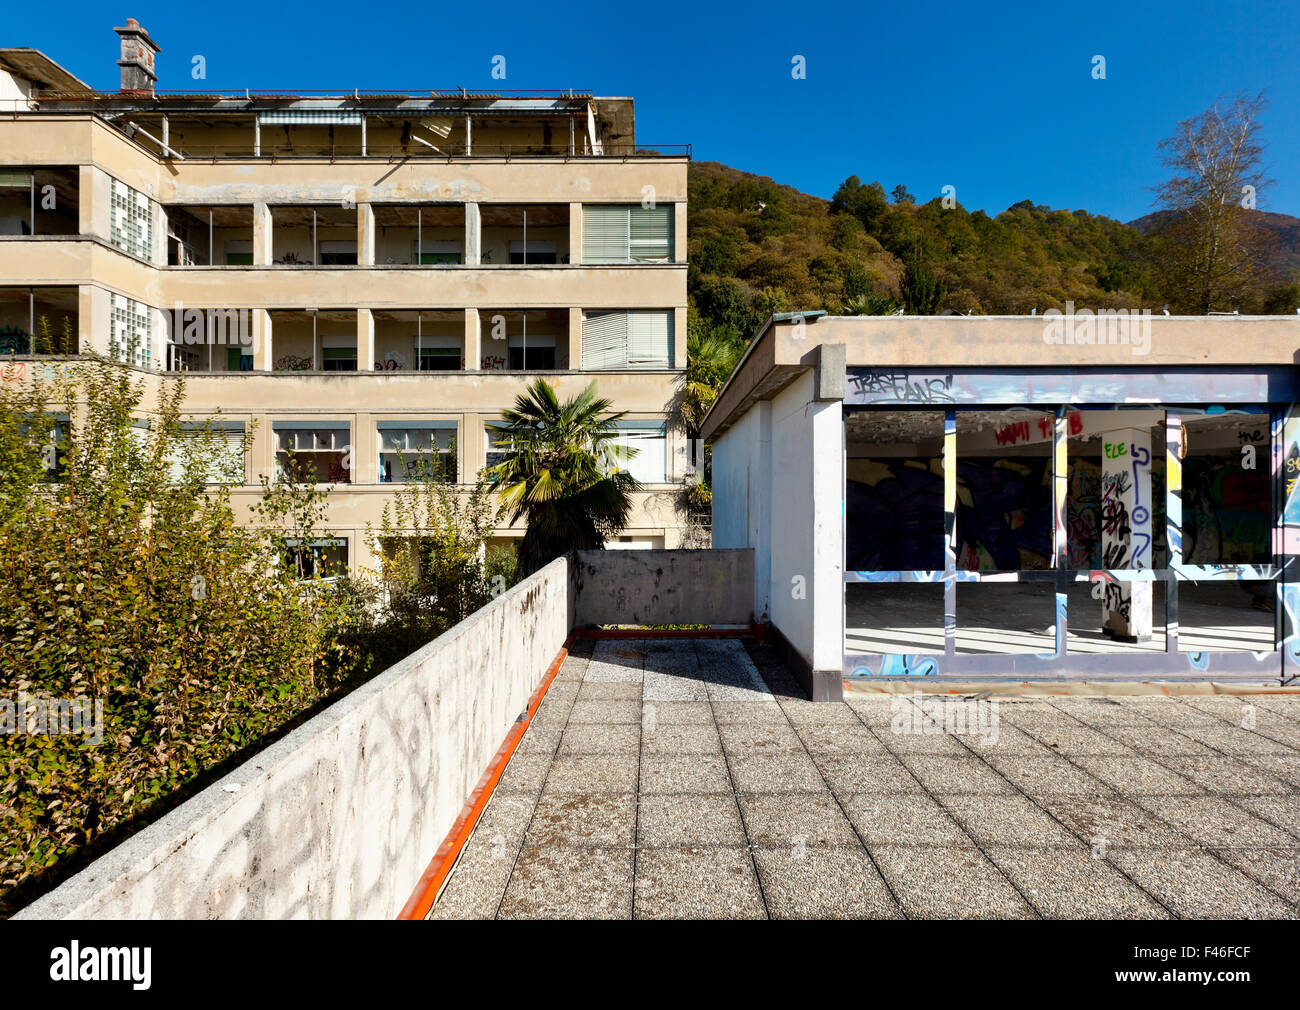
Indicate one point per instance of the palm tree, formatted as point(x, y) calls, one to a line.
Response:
point(564, 472)
point(710, 359)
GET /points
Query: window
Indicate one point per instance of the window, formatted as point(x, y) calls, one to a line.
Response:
point(497, 438)
point(130, 331)
point(321, 450)
point(536, 252)
point(239, 253)
point(633, 339)
point(411, 449)
point(224, 462)
point(627, 233)
point(130, 220)
point(440, 359)
point(650, 440)
point(238, 361)
point(338, 253)
point(435, 252)
point(339, 359)
point(52, 450)
point(323, 557)
point(539, 355)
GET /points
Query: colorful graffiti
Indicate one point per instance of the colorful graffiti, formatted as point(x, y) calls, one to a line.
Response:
point(1225, 512)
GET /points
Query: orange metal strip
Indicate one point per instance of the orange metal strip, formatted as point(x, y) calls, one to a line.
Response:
point(426, 891)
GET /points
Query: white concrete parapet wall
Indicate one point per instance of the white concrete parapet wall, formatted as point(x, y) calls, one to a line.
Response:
point(340, 818)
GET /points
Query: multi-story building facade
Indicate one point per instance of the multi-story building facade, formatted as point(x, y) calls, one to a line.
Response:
point(365, 279)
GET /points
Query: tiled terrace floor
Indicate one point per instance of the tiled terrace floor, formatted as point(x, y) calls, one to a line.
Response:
point(691, 779)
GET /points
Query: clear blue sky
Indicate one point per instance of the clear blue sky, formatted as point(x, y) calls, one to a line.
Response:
point(997, 100)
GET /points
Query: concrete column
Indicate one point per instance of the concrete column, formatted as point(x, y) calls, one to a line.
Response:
point(679, 232)
point(365, 235)
point(93, 202)
point(262, 358)
point(575, 234)
point(1126, 531)
point(261, 235)
point(679, 337)
point(473, 235)
point(575, 339)
point(471, 343)
point(365, 340)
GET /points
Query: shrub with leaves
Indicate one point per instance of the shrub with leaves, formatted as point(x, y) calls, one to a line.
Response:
point(128, 580)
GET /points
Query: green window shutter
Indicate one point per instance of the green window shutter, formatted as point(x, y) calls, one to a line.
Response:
point(604, 340)
point(338, 353)
point(15, 178)
point(239, 259)
point(651, 231)
point(604, 234)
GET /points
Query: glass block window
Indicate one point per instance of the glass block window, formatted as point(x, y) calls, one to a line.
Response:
point(130, 332)
point(131, 220)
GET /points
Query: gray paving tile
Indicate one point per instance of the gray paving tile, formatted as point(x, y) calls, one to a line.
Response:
point(1195, 885)
point(1079, 741)
point(504, 821)
point(858, 773)
point(1231, 740)
point(476, 886)
point(1100, 712)
point(681, 739)
point(692, 882)
point(1071, 883)
point(662, 687)
point(688, 773)
point(952, 883)
point(942, 774)
point(1113, 821)
point(1228, 775)
point(727, 712)
point(609, 691)
point(921, 743)
point(758, 739)
point(570, 883)
point(1046, 776)
point(675, 713)
point(1159, 741)
point(689, 819)
point(578, 819)
point(600, 738)
point(1210, 820)
point(627, 710)
point(824, 883)
point(1283, 766)
point(540, 740)
point(524, 774)
point(778, 773)
point(592, 773)
point(909, 819)
point(1282, 811)
point(1134, 774)
point(1004, 820)
point(1278, 869)
point(794, 820)
point(842, 740)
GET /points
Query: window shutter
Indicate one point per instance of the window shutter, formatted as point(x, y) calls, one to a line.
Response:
point(604, 234)
point(604, 340)
point(651, 233)
point(649, 339)
point(650, 441)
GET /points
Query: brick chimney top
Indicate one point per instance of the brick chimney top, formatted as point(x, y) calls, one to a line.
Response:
point(138, 51)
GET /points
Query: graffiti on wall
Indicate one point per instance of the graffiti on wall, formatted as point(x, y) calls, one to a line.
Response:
point(1004, 515)
point(1225, 512)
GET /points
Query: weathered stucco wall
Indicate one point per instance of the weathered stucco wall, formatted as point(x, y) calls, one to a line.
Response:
point(340, 818)
point(664, 587)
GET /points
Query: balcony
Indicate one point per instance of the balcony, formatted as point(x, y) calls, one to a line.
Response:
point(39, 201)
point(324, 235)
point(40, 320)
point(209, 236)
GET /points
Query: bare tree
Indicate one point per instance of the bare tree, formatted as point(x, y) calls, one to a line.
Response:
point(1211, 244)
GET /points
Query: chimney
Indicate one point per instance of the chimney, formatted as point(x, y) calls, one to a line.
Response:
point(138, 51)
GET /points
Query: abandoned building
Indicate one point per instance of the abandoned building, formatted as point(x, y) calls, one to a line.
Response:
point(365, 279)
point(1037, 497)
